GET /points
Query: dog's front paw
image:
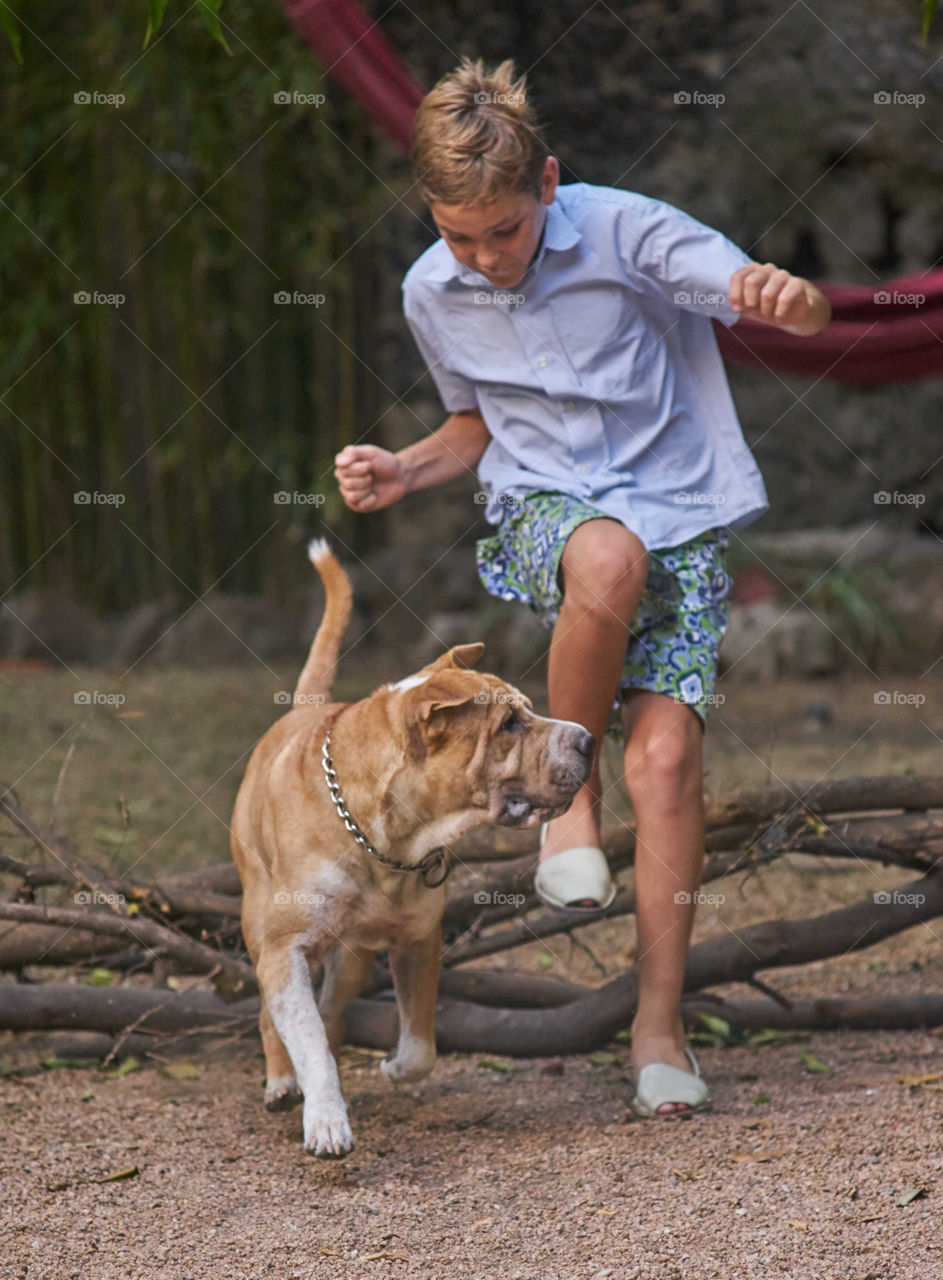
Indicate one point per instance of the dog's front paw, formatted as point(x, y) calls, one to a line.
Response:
point(409, 1065)
point(282, 1093)
point(327, 1132)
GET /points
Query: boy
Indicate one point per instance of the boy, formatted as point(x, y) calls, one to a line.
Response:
point(568, 331)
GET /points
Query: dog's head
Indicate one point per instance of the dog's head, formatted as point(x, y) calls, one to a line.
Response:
point(476, 743)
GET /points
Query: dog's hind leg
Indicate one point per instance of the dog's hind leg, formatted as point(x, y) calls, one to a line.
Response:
point(345, 972)
point(415, 969)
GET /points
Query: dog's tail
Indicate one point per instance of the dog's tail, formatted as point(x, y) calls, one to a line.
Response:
point(317, 677)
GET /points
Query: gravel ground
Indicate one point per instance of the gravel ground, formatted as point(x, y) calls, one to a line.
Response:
point(540, 1173)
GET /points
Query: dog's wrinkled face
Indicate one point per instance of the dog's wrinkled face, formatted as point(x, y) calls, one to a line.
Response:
point(475, 735)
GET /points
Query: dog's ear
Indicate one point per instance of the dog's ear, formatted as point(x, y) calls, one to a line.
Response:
point(460, 656)
point(446, 688)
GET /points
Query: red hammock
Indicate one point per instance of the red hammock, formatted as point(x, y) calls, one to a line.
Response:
point(891, 332)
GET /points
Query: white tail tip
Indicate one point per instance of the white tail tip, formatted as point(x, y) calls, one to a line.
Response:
point(318, 550)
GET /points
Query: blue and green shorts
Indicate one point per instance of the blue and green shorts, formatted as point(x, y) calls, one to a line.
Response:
point(680, 621)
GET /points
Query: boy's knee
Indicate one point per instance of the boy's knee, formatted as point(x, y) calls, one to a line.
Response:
point(604, 567)
point(665, 762)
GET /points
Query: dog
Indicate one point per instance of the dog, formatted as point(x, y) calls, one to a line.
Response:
point(340, 834)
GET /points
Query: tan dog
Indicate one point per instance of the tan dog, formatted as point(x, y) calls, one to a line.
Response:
point(338, 834)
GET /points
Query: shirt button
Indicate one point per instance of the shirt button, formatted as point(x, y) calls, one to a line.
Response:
point(583, 468)
point(542, 361)
point(568, 406)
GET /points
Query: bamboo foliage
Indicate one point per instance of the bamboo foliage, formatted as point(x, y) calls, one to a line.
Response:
point(197, 397)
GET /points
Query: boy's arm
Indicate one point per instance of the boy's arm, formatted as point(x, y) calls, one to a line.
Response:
point(772, 296)
point(371, 478)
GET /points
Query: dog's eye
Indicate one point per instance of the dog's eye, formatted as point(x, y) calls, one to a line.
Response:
point(511, 722)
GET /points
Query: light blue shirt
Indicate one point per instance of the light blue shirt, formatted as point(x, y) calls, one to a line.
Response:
point(598, 375)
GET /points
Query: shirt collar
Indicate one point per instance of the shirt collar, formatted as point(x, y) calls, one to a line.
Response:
point(559, 233)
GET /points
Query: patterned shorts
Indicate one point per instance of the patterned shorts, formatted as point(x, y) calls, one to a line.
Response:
point(681, 618)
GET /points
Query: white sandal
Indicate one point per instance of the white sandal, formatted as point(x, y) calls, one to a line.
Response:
point(576, 881)
point(659, 1083)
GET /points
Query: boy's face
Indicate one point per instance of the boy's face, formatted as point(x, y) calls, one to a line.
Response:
point(498, 239)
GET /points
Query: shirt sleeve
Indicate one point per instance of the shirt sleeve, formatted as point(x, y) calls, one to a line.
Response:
point(689, 263)
point(456, 392)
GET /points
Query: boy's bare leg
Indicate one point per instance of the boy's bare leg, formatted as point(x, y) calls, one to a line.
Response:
point(664, 776)
point(604, 567)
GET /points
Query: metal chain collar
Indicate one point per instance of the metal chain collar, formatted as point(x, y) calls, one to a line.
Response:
point(437, 860)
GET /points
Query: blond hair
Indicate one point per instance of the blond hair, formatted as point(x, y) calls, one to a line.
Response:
point(476, 137)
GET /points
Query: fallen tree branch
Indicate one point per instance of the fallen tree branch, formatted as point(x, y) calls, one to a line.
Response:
point(231, 977)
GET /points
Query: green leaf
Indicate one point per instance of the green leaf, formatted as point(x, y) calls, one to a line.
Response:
point(495, 1064)
point(813, 1064)
point(179, 1070)
point(8, 24)
point(98, 978)
point(929, 10)
point(155, 16)
point(770, 1035)
point(210, 9)
point(53, 1064)
point(623, 1037)
point(759, 1098)
point(129, 1065)
point(605, 1060)
point(545, 961)
point(719, 1026)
